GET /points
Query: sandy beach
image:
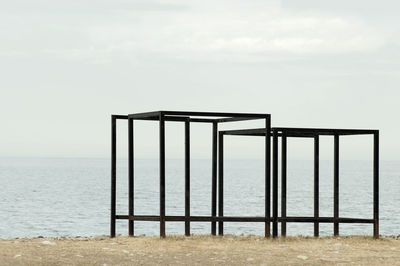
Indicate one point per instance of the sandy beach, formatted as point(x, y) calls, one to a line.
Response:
point(200, 250)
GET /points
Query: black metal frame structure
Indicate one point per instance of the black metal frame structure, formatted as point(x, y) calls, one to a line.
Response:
point(314, 133)
point(213, 118)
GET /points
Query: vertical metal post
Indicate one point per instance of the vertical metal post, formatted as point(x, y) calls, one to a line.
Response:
point(376, 185)
point(130, 182)
point(221, 182)
point(214, 178)
point(336, 185)
point(268, 176)
point(275, 185)
point(316, 184)
point(162, 175)
point(187, 177)
point(113, 173)
point(283, 185)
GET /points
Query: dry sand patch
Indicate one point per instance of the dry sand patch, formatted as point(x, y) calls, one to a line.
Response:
point(200, 250)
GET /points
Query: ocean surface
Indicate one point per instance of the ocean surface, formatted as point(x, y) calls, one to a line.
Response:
point(71, 197)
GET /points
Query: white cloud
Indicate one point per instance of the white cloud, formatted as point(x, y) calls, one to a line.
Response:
point(234, 33)
point(210, 31)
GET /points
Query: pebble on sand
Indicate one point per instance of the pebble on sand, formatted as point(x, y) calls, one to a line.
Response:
point(302, 257)
point(48, 243)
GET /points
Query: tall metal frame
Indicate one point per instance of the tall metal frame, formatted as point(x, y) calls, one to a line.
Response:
point(213, 118)
point(314, 133)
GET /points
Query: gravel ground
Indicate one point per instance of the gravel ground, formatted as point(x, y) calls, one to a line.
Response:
point(200, 250)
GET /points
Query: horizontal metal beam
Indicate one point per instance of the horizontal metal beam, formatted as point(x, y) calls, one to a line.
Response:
point(176, 119)
point(145, 115)
point(138, 217)
point(327, 131)
point(300, 132)
point(289, 219)
point(119, 116)
point(191, 218)
point(215, 114)
point(236, 119)
point(261, 133)
point(220, 117)
point(245, 132)
point(293, 219)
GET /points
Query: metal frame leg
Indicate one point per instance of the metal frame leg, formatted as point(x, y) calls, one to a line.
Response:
point(214, 177)
point(275, 185)
point(131, 176)
point(113, 174)
point(162, 175)
point(376, 185)
point(316, 184)
point(283, 183)
point(187, 178)
point(268, 177)
point(221, 183)
point(336, 185)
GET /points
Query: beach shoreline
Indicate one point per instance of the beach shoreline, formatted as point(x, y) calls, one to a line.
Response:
point(200, 250)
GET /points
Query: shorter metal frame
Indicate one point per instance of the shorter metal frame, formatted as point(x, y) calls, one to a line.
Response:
point(314, 133)
point(213, 118)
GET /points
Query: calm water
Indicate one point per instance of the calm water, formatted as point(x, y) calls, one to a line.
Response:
point(70, 197)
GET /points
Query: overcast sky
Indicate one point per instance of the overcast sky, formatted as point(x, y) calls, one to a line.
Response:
point(66, 66)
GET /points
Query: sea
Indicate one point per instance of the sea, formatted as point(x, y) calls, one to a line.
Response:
point(57, 197)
